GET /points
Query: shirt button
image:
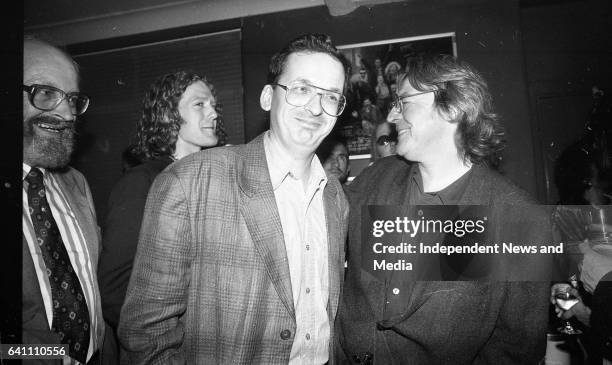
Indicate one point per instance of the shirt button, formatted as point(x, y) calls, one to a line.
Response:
point(420, 212)
point(395, 291)
point(308, 336)
point(285, 334)
point(307, 247)
point(307, 290)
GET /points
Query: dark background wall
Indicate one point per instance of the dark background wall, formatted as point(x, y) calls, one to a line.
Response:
point(568, 49)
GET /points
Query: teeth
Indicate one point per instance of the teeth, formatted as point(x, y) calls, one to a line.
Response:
point(51, 127)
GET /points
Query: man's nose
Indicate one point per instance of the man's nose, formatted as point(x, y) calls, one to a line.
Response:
point(393, 116)
point(213, 113)
point(314, 105)
point(65, 111)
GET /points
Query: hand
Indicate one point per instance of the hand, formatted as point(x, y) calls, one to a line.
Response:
point(594, 265)
point(578, 310)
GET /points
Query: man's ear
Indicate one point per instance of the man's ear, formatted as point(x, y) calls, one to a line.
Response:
point(265, 99)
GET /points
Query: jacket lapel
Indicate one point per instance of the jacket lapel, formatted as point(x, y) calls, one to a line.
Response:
point(263, 221)
point(77, 200)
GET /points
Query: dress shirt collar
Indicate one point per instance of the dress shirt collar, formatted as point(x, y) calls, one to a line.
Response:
point(27, 168)
point(280, 167)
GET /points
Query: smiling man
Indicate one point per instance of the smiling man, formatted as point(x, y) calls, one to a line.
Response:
point(241, 251)
point(447, 135)
point(61, 300)
point(180, 116)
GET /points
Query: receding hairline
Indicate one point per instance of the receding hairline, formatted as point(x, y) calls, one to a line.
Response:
point(34, 48)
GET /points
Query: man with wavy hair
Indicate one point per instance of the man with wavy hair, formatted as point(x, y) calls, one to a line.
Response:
point(448, 138)
point(180, 116)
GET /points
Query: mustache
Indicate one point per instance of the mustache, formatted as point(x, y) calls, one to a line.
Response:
point(53, 121)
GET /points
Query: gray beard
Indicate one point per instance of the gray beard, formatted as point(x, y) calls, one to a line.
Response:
point(47, 151)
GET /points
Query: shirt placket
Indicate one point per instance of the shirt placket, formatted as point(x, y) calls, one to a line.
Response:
point(309, 275)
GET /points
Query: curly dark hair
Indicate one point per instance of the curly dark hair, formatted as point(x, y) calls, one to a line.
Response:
point(306, 43)
point(159, 125)
point(462, 93)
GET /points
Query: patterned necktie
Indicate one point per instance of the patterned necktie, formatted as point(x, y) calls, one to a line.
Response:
point(70, 313)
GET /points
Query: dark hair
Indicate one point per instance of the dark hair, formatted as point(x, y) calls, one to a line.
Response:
point(129, 158)
point(462, 93)
point(158, 127)
point(327, 146)
point(306, 43)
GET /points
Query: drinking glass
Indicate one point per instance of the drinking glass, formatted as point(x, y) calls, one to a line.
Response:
point(565, 300)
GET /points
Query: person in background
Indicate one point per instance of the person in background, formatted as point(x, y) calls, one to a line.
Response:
point(333, 151)
point(385, 140)
point(446, 130)
point(383, 94)
point(61, 300)
point(180, 116)
point(241, 251)
point(595, 270)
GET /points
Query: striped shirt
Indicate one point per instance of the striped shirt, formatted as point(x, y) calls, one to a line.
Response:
point(302, 216)
point(76, 247)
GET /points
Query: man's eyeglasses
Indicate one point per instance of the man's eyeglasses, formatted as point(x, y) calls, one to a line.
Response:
point(397, 104)
point(299, 93)
point(47, 98)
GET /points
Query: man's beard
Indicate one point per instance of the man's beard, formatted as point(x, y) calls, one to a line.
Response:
point(49, 150)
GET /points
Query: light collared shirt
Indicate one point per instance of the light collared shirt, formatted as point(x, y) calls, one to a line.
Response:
point(77, 249)
point(302, 216)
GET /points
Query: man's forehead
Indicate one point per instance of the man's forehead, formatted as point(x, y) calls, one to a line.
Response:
point(317, 68)
point(406, 88)
point(197, 90)
point(340, 149)
point(45, 64)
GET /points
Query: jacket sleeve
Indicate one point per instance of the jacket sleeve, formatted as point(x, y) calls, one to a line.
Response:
point(150, 330)
point(519, 336)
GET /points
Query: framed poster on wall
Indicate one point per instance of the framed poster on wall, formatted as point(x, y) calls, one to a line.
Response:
point(375, 67)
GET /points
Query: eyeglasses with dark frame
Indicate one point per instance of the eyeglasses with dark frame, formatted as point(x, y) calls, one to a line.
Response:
point(299, 93)
point(47, 98)
point(397, 104)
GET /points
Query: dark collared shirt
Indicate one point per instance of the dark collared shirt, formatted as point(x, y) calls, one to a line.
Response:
point(448, 196)
point(399, 285)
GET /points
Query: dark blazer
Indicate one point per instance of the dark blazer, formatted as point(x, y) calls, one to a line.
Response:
point(444, 322)
point(120, 234)
point(35, 327)
point(211, 283)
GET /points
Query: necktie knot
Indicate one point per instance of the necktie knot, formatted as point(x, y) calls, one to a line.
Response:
point(35, 177)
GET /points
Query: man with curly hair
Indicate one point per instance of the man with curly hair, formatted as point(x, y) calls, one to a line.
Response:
point(180, 116)
point(447, 134)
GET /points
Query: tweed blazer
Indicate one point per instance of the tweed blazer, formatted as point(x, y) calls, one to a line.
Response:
point(444, 322)
point(35, 327)
point(210, 282)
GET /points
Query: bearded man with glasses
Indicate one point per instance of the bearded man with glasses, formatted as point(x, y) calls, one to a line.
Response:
point(241, 250)
point(61, 299)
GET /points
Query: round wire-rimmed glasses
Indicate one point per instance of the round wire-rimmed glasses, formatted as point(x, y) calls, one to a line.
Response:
point(47, 98)
point(299, 93)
